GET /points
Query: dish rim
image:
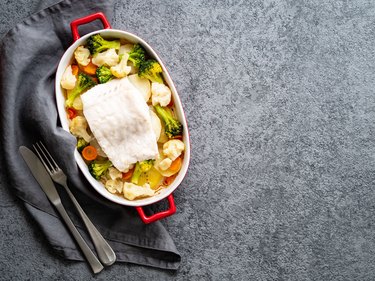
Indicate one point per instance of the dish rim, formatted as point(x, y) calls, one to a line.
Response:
point(66, 59)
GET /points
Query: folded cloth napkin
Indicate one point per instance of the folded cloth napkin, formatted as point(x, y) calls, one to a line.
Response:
point(29, 55)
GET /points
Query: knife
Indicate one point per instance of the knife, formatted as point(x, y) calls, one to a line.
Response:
point(40, 174)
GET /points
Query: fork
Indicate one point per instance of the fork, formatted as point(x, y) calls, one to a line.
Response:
point(105, 253)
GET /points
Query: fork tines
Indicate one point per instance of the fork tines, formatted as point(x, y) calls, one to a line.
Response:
point(45, 156)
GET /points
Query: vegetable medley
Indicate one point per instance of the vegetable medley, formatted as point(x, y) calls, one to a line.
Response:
point(98, 62)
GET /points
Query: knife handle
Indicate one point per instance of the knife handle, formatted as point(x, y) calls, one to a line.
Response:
point(95, 264)
point(105, 253)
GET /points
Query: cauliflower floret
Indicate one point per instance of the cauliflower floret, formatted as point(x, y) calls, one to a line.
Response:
point(77, 103)
point(173, 148)
point(165, 164)
point(156, 124)
point(160, 94)
point(125, 49)
point(114, 186)
point(109, 57)
point(68, 80)
point(132, 191)
point(82, 55)
point(122, 69)
point(114, 174)
point(78, 128)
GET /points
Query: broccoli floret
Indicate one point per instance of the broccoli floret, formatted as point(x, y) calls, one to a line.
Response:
point(173, 127)
point(84, 82)
point(137, 55)
point(98, 168)
point(141, 167)
point(104, 74)
point(151, 70)
point(96, 44)
point(81, 144)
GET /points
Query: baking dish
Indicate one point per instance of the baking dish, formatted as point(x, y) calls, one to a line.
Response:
point(66, 59)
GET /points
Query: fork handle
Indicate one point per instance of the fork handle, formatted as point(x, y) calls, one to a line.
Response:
point(91, 258)
point(105, 253)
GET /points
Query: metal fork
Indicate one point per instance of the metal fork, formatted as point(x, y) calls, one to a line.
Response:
point(105, 253)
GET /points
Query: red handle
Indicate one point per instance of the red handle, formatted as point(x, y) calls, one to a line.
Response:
point(87, 19)
point(158, 216)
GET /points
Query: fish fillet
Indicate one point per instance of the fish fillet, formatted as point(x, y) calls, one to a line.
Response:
point(120, 120)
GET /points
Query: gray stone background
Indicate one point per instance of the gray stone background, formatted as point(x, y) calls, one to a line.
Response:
point(280, 101)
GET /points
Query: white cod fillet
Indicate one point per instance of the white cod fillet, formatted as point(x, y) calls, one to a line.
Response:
point(120, 120)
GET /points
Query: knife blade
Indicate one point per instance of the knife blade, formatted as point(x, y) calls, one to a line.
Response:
point(40, 174)
point(43, 178)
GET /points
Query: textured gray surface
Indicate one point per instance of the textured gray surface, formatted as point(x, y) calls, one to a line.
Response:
point(279, 98)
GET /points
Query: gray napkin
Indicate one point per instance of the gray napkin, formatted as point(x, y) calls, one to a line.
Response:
point(29, 55)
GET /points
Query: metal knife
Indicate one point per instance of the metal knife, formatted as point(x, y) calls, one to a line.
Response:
point(40, 174)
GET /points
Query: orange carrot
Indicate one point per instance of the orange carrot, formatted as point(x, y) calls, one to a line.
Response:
point(167, 181)
point(128, 174)
point(176, 165)
point(71, 113)
point(89, 69)
point(74, 69)
point(178, 137)
point(89, 153)
point(171, 103)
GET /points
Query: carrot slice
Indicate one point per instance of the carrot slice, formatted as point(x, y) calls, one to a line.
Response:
point(171, 103)
point(168, 180)
point(178, 137)
point(74, 69)
point(128, 174)
point(89, 69)
point(176, 165)
point(71, 113)
point(89, 153)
